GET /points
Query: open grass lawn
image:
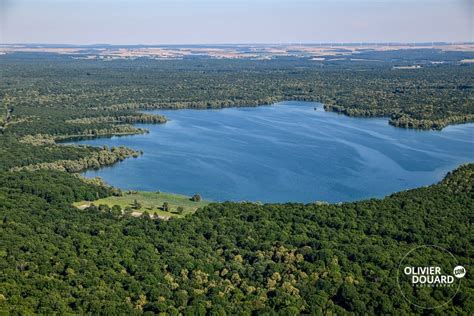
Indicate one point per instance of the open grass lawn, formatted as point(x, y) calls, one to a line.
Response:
point(151, 202)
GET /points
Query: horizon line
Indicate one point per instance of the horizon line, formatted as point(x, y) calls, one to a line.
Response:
point(251, 43)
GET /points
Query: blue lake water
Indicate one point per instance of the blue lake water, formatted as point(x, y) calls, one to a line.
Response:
point(285, 152)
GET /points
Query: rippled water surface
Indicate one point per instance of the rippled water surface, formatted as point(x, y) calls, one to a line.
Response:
point(284, 152)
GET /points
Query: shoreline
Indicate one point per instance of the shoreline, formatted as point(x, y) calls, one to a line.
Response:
point(256, 200)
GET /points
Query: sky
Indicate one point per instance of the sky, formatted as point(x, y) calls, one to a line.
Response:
point(234, 21)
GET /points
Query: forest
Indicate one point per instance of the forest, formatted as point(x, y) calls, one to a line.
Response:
point(226, 258)
point(94, 97)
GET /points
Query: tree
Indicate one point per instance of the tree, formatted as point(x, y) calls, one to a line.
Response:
point(128, 210)
point(116, 210)
point(180, 210)
point(137, 205)
point(196, 198)
point(166, 207)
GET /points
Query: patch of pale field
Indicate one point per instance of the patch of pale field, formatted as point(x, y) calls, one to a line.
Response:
point(408, 67)
point(41, 50)
point(255, 51)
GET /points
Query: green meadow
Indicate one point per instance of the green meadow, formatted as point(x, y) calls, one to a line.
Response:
point(151, 202)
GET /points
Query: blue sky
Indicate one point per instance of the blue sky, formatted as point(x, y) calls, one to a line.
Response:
point(234, 21)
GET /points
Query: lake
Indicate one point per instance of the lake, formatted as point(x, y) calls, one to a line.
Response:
point(284, 152)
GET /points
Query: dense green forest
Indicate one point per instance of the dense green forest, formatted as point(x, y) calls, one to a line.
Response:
point(61, 95)
point(226, 258)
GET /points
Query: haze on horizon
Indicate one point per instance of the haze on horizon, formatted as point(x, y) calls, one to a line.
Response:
point(234, 21)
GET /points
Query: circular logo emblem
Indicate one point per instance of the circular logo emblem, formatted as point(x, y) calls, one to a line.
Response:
point(429, 276)
point(459, 272)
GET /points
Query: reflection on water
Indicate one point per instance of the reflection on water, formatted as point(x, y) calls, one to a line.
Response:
point(285, 152)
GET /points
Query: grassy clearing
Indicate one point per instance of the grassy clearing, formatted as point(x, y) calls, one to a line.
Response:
point(151, 202)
